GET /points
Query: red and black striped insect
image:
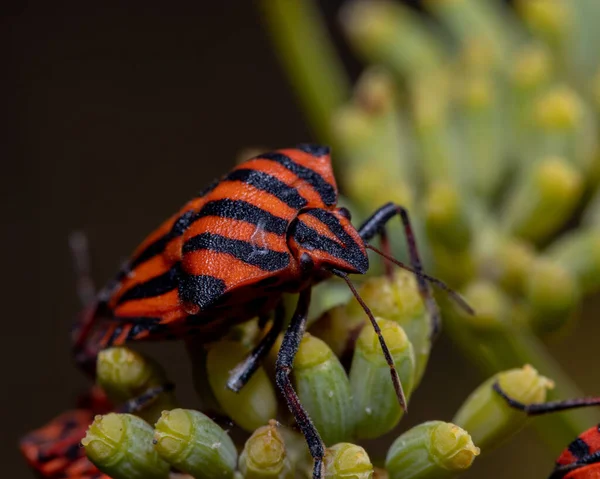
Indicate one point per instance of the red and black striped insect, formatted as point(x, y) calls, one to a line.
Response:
point(268, 227)
point(54, 450)
point(581, 458)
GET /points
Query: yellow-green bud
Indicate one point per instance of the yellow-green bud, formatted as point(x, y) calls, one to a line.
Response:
point(559, 109)
point(399, 300)
point(375, 402)
point(324, 389)
point(544, 199)
point(579, 253)
point(488, 418)
point(347, 461)
point(193, 443)
point(446, 219)
point(491, 306)
point(120, 445)
point(434, 449)
point(125, 374)
point(532, 67)
point(264, 455)
point(378, 28)
point(553, 294)
point(256, 403)
point(549, 18)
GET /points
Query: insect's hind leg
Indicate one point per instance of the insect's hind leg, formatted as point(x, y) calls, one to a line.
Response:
point(283, 368)
point(375, 225)
point(537, 409)
point(241, 374)
point(138, 403)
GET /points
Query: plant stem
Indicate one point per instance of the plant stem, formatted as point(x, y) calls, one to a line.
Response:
point(308, 56)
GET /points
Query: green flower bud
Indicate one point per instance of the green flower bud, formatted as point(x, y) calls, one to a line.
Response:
point(457, 267)
point(338, 328)
point(507, 261)
point(446, 219)
point(347, 461)
point(125, 374)
point(375, 401)
point(324, 389)
point(390, 34)
point(548, 18)
point(486, 415)
point(256, 403)
point(120, 445)
point(434, 449)
point(193, 443)
point(579, 253)
point(552, 293)
point(532, 67)
point(544, 199)
point(492, 306)
point(559, 109)
point(264, 455)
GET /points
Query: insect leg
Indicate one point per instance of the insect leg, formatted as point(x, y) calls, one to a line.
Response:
point(140, 402)
point(242, 373)
point(283, 368)
point(375, 224)
point(537, 409)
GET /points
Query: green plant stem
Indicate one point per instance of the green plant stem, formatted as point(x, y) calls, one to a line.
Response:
point(503, 350)
point(308, 56)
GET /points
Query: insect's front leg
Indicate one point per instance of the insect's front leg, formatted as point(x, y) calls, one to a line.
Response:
point(242, 373)
point(283, 368)
point(537, 409)
point(375, 225)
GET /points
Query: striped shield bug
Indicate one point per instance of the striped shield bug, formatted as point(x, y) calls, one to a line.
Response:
point(581, 458)
point(268, 227)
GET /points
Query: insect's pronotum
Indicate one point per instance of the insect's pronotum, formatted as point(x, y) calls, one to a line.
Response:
point(270, 226)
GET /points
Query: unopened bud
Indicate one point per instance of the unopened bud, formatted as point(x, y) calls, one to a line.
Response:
point(324, 389)
point(191, 442)
point(264, 455)
point(347, 461)
point(120, 445)
point(432, 449)
point(488, 418)
point(255, 403)
point(375, 401)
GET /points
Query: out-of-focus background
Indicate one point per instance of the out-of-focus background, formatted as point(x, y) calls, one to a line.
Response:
point(113, 118)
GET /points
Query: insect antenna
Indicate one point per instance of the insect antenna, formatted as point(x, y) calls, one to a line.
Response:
point(457, 298)
point(86, 290)
point(386, 351)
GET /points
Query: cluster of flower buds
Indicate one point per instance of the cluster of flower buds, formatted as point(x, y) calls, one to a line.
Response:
point(484, 123)
point(343, 382)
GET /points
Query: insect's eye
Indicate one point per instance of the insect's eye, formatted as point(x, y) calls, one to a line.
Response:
point(345, 212)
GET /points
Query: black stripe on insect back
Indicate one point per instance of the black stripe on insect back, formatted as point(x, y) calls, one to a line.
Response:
point(244, 211)
point(156, 286)
point(202, 290)
point(158, 246)
point(325, 190)
point(579, 448)
point(270, 184)
point(263, 258)
point(315, 150)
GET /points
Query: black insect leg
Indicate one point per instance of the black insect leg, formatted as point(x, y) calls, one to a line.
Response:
point(537, 409)
point(283, 368)
point(140, 402)
point(242, 373)
point(376, 225)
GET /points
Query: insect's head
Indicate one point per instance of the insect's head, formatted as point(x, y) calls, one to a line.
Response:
point(326, 239)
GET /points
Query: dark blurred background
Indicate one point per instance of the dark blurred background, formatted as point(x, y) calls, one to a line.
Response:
point(114, 116)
